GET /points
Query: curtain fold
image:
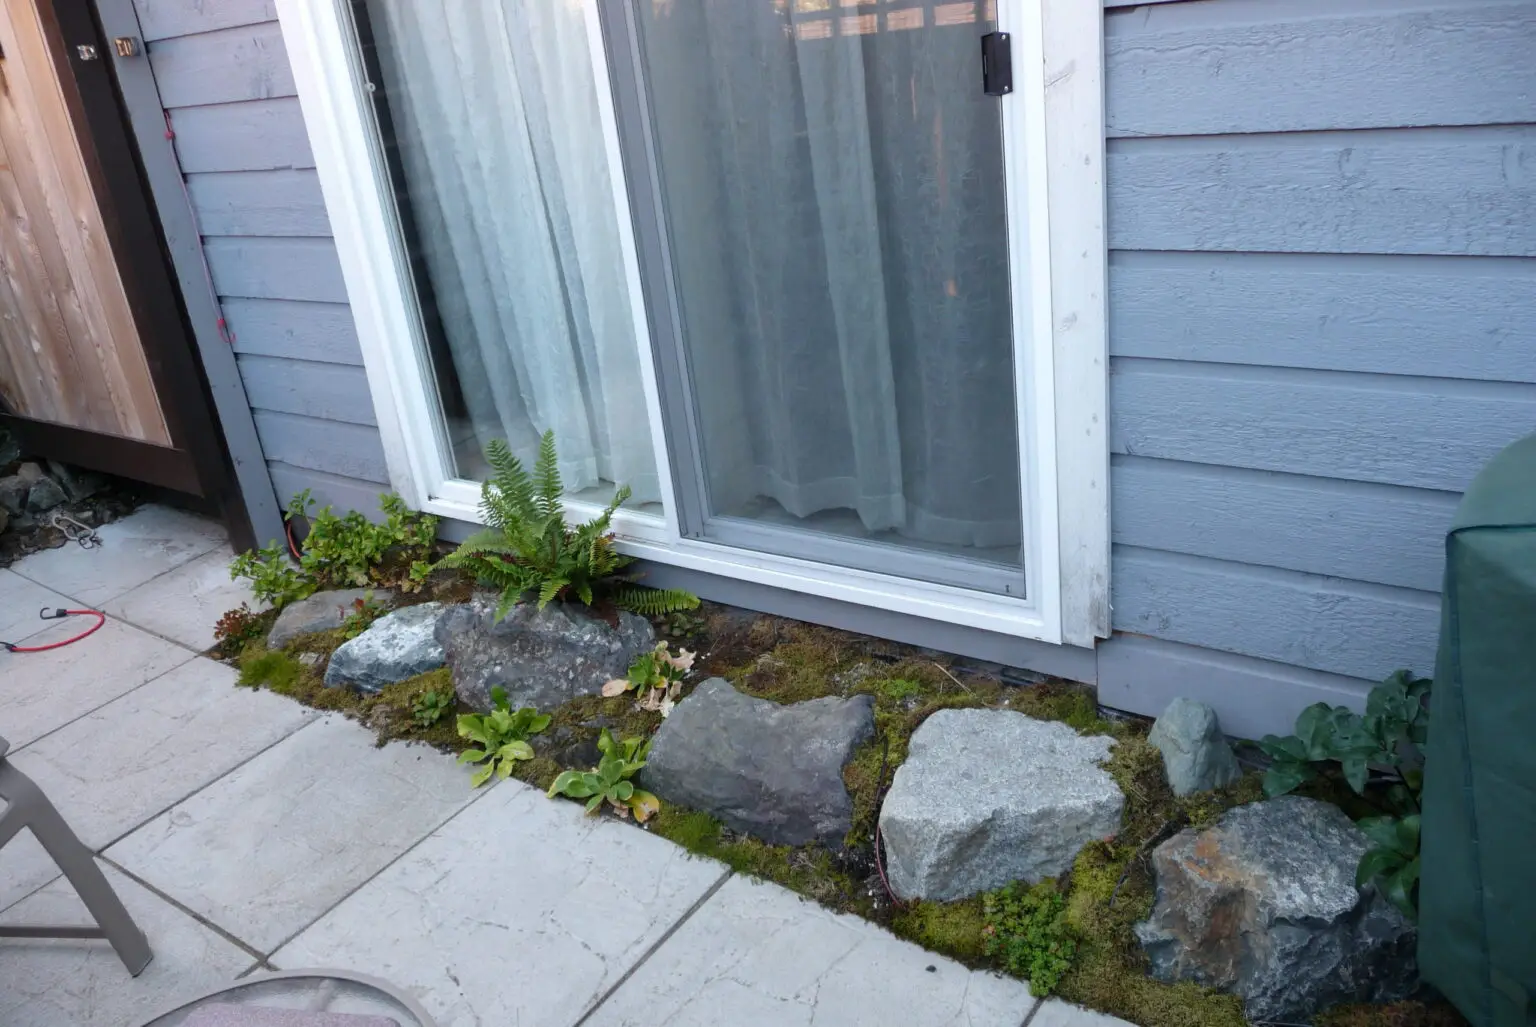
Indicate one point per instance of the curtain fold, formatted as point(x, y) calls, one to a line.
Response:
point(834, 195)
point(494, 108)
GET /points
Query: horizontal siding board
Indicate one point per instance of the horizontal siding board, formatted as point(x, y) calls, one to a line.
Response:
point(265, 203)
point(347, 450)
point(1252, 698)
point(253, 135)
point(1422, 433)
point(246, 63)
point(1441, 191)
point(1260, 66)
point(331, 392)
point(161, 19)
point(296, 330)
point(1326, 624)
point(279, 269)
point(1376, 533)
point(1452, 317)
point(327, 489)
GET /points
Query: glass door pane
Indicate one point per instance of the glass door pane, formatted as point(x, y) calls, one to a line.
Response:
point(830, 177)
point(488, 119)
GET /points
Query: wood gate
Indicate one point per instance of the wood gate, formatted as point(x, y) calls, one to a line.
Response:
point(97, 365)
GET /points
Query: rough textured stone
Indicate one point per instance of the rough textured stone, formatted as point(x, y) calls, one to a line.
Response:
point(1196, 755)
point(45, 494)
point(543, 658)
point(30, 472)
point(13, 493)
point(986, 797)
point(323, 611)
point(77, 484)
point(772, 771)
point(1263, 905)
point(397, 646)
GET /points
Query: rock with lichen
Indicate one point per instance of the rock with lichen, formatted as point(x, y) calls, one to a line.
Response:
point(1263, 905)
point(1196, 755)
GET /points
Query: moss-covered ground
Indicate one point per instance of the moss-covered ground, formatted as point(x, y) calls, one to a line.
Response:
point(1108, 890)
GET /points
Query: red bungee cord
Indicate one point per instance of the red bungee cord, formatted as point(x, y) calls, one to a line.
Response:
point(59, 614)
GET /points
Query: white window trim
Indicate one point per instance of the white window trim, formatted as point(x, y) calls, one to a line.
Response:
point(1060, 270)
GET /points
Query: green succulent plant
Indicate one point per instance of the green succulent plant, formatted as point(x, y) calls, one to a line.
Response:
point(502, 735)
point(610, 780)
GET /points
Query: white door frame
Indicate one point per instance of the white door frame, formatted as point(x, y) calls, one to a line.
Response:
point(1054, 156)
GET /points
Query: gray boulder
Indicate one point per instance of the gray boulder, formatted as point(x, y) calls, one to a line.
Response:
point(323, 611)
point(986, 797)
point(772, 771)
point(77, 484)
point(1196, 755)
point(45, 494)
point(1263, 905)
point(13, 493)
point(397, 646)
point(543, 658)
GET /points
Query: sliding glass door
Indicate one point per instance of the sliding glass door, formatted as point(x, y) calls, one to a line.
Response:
point(825, 185)
point(807, 247)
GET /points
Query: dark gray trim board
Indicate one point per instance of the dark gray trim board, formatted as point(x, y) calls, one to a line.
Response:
point(146, 118)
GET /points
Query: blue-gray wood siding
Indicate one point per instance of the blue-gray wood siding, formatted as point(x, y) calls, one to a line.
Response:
point(1322, 221)
point(224, 77)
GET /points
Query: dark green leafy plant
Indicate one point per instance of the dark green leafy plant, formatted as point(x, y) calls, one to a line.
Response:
point(610, 780)
point(274, 578)
point(431, 706)
point(502, 735)
point(1026, 931)
point(350, 551)
point(1379, 755)
point(529, 548)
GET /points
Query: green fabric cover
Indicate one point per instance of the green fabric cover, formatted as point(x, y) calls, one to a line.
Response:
point(1477, 891)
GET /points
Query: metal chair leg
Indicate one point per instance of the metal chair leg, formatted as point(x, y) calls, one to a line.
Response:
point(30, 808)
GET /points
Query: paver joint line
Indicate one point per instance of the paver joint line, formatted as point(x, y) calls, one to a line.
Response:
point(182, 908)
point(656, 947)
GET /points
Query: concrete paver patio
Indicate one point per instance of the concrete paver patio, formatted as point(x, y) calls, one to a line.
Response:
point(246, 832)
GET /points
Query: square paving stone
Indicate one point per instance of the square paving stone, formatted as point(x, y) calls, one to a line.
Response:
point(41, 692)
point(185, 604)
point(20, 601)
point(269, 847)
point(112, 770)
point(757, 955)
point(25, 866)
point(520, 910)
point(72, 983)
point(141, 546)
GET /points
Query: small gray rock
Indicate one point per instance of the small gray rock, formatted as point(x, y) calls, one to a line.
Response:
point(771, 771)
point(45, 494)
point(323, 611)
point(13, 493)
point(397, 646)
point(77, 484)
point(1196, 755)
point(986, 797)
point(543, 658)
point(30, 472)
point(1263, 905)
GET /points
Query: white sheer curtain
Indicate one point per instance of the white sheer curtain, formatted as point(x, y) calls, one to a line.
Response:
point(494, 110)
point(834, 193)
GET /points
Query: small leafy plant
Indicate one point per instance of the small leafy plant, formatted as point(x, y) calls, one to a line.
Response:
point(1027, 933)
point(238, 627)
point(502, 735)
point(1379, 755)
point(350, 551)
point(656, 678)
point(610, 780)
point(529, 548)
point(274, 578)
point(431, 706)
point(364, 612)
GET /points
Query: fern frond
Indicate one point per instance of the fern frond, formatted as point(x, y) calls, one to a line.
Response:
point(549, 589)
point(506, 496)
point(479, 544)
point(651, 602)
point(547, 475)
